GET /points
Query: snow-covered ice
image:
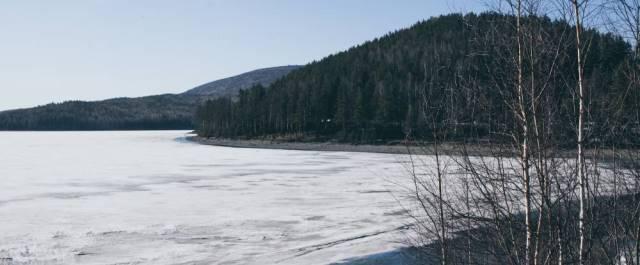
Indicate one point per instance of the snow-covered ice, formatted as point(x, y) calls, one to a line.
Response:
point(155, 198)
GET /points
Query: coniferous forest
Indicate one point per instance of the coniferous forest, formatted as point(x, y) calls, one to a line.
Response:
point(432, 75)
point(145, 113)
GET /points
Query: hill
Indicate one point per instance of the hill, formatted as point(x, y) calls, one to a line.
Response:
point(232, 85)
point(449, 72)
point(152, 112)
point(168, 111)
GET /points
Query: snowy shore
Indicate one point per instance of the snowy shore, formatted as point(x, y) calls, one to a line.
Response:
point(303, 146)
point(339, 147)
point(454, 149)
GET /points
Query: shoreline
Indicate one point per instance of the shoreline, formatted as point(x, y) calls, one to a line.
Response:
point(304, 146)
point(443, 149)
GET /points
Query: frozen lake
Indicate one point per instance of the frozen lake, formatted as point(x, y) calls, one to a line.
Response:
point(154, 198)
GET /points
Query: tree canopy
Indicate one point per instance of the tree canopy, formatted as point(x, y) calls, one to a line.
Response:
point(384, 89)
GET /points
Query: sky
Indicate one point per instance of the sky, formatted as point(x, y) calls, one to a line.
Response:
point(52, 51)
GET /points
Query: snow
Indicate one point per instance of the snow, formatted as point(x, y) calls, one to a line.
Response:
point(154, 198)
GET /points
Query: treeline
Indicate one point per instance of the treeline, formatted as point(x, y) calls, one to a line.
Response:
point(153, 112)
point(376, 91)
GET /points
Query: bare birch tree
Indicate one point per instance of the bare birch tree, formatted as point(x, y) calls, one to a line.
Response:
point(580, 131)
point(533, 191)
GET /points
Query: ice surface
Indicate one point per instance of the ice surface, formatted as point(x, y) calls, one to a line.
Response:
point(154, 198)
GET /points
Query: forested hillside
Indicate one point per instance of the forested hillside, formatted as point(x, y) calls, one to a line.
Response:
point(157, 112)
point(153, 112)
point(447, 72)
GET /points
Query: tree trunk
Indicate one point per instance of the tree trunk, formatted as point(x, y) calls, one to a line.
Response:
point(580, 162)
point(524, 155)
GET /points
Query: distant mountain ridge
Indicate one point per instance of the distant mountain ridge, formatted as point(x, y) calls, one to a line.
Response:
point(232, 85)
point(157, 112)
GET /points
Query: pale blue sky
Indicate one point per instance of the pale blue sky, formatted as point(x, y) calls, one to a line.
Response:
point(51, 51)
